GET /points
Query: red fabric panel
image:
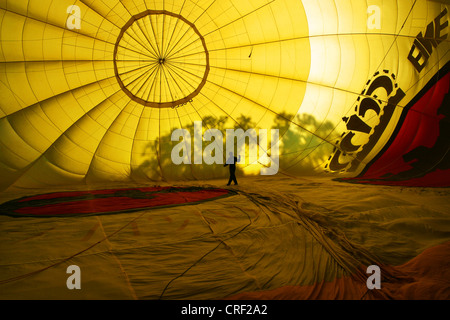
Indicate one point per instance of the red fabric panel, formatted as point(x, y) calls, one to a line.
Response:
point(56, 195)
point(114, 203)
point(421, 127)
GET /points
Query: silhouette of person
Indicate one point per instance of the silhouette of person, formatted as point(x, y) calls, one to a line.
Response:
point(232, 162)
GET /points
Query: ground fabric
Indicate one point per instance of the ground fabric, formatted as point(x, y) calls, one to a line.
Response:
point(276, 238)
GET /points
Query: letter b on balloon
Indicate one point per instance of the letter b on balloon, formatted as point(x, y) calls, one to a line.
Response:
point(374, 281)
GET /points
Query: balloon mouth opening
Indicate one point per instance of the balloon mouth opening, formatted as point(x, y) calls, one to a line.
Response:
point(161, 59)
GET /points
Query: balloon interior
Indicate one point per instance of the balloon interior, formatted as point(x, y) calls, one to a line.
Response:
point(122, 121)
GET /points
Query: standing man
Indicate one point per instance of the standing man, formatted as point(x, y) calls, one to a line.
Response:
point(232, 162)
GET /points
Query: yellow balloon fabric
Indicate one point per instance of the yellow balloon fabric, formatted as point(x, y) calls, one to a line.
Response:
point(91, 91)
point(114, 113)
